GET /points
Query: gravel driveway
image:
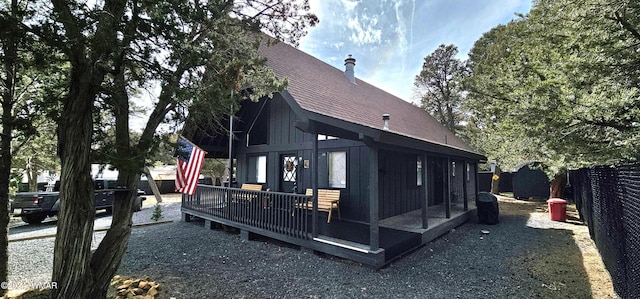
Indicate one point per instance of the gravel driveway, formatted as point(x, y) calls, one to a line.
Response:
point(190, 261)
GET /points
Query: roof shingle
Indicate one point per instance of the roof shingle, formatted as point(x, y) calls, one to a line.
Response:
point(323, 89)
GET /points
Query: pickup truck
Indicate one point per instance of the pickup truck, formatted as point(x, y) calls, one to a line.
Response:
point(34, 207)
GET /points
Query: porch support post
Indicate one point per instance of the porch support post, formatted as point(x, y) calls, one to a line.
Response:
point(374, 229)
point(448, 188)
point(465, 174)
point(477, 186)
point(230, 163)
point(314, 185)
point(425, 187)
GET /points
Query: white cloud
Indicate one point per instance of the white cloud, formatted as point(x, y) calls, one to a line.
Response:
point(349, 5)
point(364, 32)
point(390, 38)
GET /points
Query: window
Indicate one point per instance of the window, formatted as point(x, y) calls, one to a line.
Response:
point(257, 171)
point(338, 169)
point(258, 132)
point(290, 165)
point(453, 169)
point(468, 173)
point(418, 172)
point(326, 137)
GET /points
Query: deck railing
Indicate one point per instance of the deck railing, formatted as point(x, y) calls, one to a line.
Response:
point(271, 211)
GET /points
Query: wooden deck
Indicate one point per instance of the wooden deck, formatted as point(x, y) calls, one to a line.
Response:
point(277, 218)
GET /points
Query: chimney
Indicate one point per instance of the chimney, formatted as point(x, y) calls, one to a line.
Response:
point(385, 118)
point(349, 64)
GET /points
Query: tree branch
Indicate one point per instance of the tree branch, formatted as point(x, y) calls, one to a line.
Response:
point(626, 25)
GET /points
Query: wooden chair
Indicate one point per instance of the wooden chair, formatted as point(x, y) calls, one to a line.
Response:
point(252, 187)
point(249, 187)
point(328, 200)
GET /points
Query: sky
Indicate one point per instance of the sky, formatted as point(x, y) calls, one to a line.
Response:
point(390, 38)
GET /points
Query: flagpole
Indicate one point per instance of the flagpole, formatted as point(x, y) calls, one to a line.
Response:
point(230, 164)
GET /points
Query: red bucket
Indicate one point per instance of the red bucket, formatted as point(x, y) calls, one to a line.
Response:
point(557, 209)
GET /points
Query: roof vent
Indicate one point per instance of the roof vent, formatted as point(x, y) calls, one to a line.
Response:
point(350, 64)
point(385, 118)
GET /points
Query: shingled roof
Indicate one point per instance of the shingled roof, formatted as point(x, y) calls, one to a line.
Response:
point(320, 88)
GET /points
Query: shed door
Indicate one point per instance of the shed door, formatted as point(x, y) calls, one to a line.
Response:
point(288, 172)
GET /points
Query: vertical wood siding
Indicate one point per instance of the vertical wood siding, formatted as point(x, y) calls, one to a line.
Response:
point(398, 192)
point(397, 189)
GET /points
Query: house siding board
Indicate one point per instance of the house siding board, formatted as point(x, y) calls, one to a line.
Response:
point(241, 171)
point(363, 190)
point(456, 187)
point(471, 183)
point(398, 192)
point(354, 201)
point(272, 122)
point(430, 181)
point(273, 168)
point(293, 136)
point(438, 180)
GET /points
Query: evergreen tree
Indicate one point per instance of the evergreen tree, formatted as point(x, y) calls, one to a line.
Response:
point(440, 88)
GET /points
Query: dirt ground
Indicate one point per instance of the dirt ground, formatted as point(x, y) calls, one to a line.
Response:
point(166, 198)
point(555, 263)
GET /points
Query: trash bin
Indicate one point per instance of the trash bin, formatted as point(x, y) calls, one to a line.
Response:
point(557, 209)
point(488, 211)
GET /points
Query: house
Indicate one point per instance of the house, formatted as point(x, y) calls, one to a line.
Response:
point(403, 179)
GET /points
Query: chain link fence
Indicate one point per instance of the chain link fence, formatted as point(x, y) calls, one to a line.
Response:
point(608, 200)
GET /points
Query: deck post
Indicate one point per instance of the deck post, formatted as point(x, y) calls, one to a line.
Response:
point(425, 185)
point(448, 187)
point(374, 229)
point(314, 185)
point(246, 235)
point(228, 202)
point(465, 175)
point(209, 224)
point(186, 217)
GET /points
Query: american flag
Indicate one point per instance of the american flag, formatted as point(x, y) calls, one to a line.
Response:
point(190, 158)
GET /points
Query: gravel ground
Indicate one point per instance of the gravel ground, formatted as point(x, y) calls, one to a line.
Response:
point(31, 261)
point(525, 256)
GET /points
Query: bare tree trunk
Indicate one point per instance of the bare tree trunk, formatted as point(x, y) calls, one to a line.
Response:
point(72, 252)
point(557, 185)
point(5, 173)
point(72, 263)
point(10, 51)
point(32, 175)
point(108, 256)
